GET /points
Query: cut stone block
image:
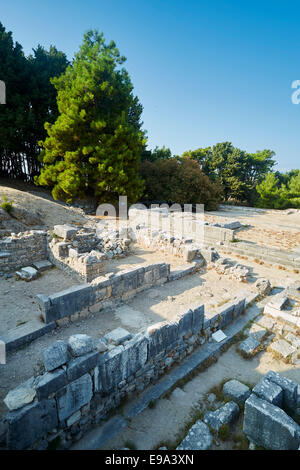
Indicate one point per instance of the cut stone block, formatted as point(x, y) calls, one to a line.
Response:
point(75, 395)
point(224, 415)
point(21, 395)
point(249, 346)
point(266, 322)
point(289, 387)
point(198, 438)
point(30, 424)
point(269, 426)
point(67, 232)
point(42, 265)
point(28, 273)
point(49, 383)
point(218, 336)
point(118, 336)
point(55, 355)
point(269, 391)
point(279, 301)
point(237, 391)
point(80, 344)
point(257, 332)
point(283, 348)
point(293, 339)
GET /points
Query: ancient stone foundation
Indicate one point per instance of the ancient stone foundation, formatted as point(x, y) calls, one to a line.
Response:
point(22, 249)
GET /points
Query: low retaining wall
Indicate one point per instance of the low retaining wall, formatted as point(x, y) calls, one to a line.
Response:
point(22, 250)
point(82, 384)
point(102, 291)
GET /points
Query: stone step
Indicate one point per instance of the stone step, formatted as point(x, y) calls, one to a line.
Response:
point(17, 337)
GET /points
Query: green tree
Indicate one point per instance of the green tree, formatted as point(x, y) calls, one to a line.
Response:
point(94, 146)
point(156, 154)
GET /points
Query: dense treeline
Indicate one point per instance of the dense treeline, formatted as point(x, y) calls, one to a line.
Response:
point(76, 128)
point(31, 101)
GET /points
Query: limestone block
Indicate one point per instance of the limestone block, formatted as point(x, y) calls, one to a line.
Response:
point(269, 426)
point(55, 355)
point(67, 232)
point(198, 438)
point(269, 391)
point(224, 415)
point(21, 395)
point(75, 395)
point(237, 391)
point(80, 344)
point(30, 424)
point(118, 336)
point(290, 389)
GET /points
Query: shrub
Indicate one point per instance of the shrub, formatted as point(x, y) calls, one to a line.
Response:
point(7, 205)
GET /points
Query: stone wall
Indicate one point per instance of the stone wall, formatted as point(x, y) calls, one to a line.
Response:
point(85, 379)
point(21, 250)
point(185, 224)
point(102, 292)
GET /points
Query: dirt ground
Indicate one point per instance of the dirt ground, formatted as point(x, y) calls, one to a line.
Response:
point(272, 228)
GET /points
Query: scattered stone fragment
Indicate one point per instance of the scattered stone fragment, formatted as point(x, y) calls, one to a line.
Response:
point(80, 344)
point(224, 415)
point(118, 336)
point(218, 336)
point(55, 355)
point(283, 348)
point(198, 438)
point(269, 391)
point(263, 286)
point(27, 273)
point(236, 390)
point(248, 347)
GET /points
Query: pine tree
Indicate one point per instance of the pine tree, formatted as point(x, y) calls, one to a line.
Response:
point(94, 146)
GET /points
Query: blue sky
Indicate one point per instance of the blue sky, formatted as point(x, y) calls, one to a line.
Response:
point(205, 72)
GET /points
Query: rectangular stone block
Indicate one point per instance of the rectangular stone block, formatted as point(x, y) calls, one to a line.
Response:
point(30, 423)
point(68, 302)
point(81, 365)
point(197, 318)
point(269, 391)
point(49, 383)
point(110, 370)
point(226, 315)
point(269, 426)
point(75, 395)
point(161, 335)
point(185, 322)
point(288, 386)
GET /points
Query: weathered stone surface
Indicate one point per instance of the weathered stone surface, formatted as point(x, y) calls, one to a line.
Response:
point(30, 423)
point(293, 339)
point(49, 383)
point(55, 355)
point(75, 395)
point(160, 336)
point(269, 391)
point(283, 348)
point(118, 336)
point(197, 317)
point(28, 273)
point(263, 286)
point(266, 322)
point(21, 395)
point(224, 415)
point(279, 301)
point(67, 302)
point(185, 321)
point(80, 365)
point(80, 344)
point(67, 232)
point(198, 438)
point(269, 426)
point(42, 265)
point(257, 332)
point(289, 387)
point(237, 391)
point(248, 346)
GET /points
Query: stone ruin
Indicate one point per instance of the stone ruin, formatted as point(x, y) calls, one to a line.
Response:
point(81, 380)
